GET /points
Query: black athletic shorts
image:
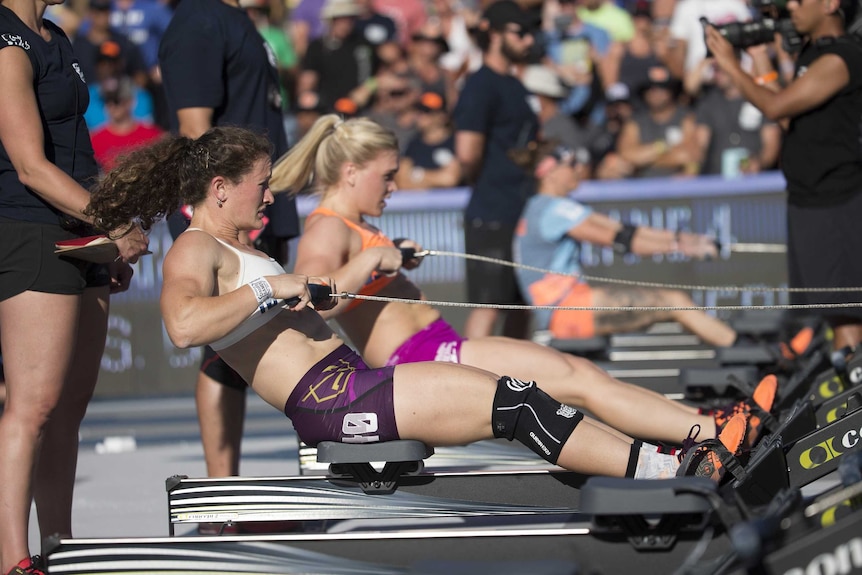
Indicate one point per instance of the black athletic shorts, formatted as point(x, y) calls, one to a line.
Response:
point(824, 249)
point(487, 282)
point(216, 369)
point(28, 262)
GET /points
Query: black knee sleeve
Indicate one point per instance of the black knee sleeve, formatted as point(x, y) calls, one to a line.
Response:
point(524, 412)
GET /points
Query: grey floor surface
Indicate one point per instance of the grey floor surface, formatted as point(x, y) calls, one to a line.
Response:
point(129, 447)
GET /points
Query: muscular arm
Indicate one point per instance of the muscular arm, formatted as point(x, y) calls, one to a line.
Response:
point(325, 250)
point(193, 313)
point(825, 77)
point(23, 139)
point(601, 230)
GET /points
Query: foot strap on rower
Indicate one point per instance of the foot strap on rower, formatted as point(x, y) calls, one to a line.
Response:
point(728, 460)
point(524, 412)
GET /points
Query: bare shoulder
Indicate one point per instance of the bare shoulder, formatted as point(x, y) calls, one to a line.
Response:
point(191, 251)
point(326, 227)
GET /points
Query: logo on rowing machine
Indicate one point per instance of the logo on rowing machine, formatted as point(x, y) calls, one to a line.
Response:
point(517, 385)
point(845, 558)
point(830, 388)
point(826, 451)
point(843, 509)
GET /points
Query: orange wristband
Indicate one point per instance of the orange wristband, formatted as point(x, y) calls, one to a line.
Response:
point(767, 78)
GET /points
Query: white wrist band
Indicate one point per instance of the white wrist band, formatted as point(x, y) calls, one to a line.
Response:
point(262, 289)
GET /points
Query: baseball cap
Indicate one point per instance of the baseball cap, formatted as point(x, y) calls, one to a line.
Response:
point(660, 77)
point(505, 12)
point(346, 107)
point(109, 50)
point(543, 81)
point(431, 102)
point(100, 4)
point(340, 9)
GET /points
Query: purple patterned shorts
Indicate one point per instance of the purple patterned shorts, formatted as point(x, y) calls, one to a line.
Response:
point(342, 399)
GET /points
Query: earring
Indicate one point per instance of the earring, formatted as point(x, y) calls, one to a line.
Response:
point(219, 203)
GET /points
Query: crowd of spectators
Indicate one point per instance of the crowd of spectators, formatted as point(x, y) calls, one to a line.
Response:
point(627, 80)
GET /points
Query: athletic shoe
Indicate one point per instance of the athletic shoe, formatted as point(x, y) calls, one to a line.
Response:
point(28, 566)
point(757, 408)
point(714, 457)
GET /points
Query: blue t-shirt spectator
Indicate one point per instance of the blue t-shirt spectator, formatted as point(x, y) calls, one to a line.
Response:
point(144, 23)
point(574, 47)
point(542, 241)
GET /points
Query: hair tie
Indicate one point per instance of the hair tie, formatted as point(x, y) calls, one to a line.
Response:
point(202, 154)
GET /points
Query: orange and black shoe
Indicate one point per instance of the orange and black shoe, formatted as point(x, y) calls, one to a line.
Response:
point(798, 344)
point(757, 408)
point(713, 458)
point(28, 566)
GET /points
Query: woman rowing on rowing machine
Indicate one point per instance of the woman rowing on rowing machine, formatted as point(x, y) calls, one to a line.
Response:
point(218, 291)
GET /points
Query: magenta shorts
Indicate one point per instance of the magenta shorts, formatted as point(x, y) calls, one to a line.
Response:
point(437, 342)
point(342, 399)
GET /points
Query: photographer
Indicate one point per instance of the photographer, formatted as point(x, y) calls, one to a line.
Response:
point(820, 157)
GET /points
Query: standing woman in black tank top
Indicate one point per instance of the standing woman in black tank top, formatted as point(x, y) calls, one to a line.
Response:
point(53, 311)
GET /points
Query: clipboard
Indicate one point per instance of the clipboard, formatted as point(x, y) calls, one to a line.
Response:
point(96, 249)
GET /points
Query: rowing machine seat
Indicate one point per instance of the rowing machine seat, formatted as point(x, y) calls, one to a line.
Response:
point(388, 451)
point(651, 514)
point(623, 496)
point(352, 462)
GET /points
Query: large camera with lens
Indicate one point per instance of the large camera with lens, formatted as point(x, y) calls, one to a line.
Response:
point(773, 19)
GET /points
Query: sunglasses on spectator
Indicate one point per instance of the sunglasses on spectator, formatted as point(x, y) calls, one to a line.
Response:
point(569, 157)
point(519, 30)
point(396, 93)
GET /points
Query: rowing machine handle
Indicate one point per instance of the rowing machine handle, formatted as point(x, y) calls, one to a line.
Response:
point(319, 295)
point(407, 253)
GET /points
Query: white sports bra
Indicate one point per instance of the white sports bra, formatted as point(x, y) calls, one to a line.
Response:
point(250, 267)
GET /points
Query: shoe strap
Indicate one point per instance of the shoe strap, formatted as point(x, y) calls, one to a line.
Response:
point(729, 461)
point(766, 418)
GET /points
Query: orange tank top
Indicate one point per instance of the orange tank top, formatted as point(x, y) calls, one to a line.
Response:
point(370, 239)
